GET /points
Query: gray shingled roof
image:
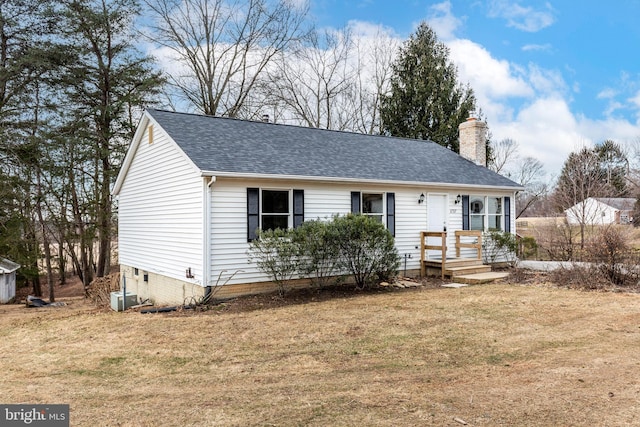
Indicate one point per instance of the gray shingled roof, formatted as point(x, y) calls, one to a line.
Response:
point(217, 145)
point(619, 203)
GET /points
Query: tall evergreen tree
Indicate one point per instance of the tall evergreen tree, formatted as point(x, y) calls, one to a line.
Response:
point(24, 28)
point(105, 80)
point(615, 167)
point(426, 101)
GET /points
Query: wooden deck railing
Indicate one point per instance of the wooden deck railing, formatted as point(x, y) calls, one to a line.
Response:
point(477, 245)
point(442, 247)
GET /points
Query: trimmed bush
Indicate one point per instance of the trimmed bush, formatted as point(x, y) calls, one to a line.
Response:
point(319, 251)
point(278, 255)
point(367, 249)
point(354, 244)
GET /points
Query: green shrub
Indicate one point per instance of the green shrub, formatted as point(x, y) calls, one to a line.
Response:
point(367, 249)
point(499, 246)
point(277, 254)
point(319, 251)
point(357, 244)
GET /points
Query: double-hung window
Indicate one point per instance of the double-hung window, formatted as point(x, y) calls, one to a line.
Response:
point(381, 206)
point(275, 209)
point(476, 212)
point(270, 209)
point(373, 206)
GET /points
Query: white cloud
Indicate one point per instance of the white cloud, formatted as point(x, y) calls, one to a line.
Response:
point(532, 104)
point(635, 100)
point(546, 130)
point(520, 17)
point(369, 29)
point(536, 47)
point(546, 81)
point(607, 93)
point(442, 20)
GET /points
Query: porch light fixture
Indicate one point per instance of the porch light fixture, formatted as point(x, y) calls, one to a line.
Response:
point(458, 199)
point(421, 199)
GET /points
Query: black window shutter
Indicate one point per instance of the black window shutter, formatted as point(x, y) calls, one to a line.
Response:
point(391, 213)
point(355, 202)
point(507, 214)
point(253, 212)
point(298, 208)
point(465, 212)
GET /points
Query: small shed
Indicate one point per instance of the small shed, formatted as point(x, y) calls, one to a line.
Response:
point(7, 280)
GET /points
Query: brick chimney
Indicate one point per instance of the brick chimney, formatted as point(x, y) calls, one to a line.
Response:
point(473, 141)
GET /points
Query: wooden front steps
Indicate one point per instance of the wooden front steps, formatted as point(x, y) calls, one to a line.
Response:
point(462, 270)
point(480, 278)
point(455, 267)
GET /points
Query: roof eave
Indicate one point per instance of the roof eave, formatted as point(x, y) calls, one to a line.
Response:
point(246, 175)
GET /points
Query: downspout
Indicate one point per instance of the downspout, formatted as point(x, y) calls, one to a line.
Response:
point(206, 238)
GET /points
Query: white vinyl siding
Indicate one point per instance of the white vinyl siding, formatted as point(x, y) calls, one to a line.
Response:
point(7, 287)
point(160, 216)
point(229, 246)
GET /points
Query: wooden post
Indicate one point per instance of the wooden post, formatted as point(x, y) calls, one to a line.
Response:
point(424, 247)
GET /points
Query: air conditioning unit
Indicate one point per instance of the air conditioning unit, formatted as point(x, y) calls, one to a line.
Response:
point(117, 300)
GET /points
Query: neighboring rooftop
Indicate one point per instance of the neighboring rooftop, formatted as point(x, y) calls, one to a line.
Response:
point(619, 203)
point(7, 266)
point(226, 145)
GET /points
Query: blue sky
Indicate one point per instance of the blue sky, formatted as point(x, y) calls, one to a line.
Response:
point(553, 75)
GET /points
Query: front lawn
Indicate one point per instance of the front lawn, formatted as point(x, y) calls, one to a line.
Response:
point(485, 355)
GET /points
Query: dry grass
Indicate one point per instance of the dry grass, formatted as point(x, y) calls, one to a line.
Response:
point(488, 355)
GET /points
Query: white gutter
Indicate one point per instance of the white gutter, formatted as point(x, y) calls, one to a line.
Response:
point(238, 175)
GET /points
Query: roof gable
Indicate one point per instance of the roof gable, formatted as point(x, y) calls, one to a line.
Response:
point(230, 146)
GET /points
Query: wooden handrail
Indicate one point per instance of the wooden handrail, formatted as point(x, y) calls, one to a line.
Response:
point(442, 247)
point(477, 245)
point(424, 247)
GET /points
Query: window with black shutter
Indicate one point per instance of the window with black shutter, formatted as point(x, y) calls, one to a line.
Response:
point(269, 209)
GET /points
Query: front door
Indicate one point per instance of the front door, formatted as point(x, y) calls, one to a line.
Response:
point(436, 220)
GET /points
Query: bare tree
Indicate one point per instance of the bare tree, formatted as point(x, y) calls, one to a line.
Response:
point(312, 83)
point(220, 49)
point(528, 172)
point(375, 56)
point(502, 153)
point(335, 79)
point(581, 178)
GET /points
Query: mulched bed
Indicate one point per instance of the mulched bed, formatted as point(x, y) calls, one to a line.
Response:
point(311, 295)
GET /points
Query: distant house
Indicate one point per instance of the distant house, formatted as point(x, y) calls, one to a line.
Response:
point(194, 189)
point(7, 280)
point(601, 211)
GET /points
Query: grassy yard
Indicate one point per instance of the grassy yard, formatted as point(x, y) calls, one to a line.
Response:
point(485, 355)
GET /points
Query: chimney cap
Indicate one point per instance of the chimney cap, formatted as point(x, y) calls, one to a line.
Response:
point(265, 118)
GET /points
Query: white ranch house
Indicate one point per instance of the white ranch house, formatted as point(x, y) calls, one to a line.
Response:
point(602, 211)
point(193, 189)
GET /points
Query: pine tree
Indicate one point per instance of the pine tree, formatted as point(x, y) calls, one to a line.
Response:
point(426, 101)
point(105, 80)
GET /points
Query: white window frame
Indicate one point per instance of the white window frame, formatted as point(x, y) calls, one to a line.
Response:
point(486, 214)
point(383, 214)
point(289, 202)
